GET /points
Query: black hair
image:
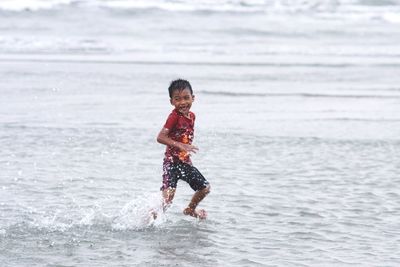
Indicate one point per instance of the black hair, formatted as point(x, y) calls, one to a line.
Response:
point(180, 85)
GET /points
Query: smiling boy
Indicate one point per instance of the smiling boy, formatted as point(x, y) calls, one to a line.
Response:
point(177, 134)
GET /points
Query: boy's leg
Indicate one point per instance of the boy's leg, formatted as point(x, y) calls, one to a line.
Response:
point(196, 199)
point(168, 195)
point(170, 179)
point(199, 184)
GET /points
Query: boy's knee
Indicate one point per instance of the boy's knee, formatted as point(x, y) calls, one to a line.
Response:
point(168, 195)
point(207, 189)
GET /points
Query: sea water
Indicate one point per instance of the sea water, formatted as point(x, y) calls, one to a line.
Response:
point(298, 125)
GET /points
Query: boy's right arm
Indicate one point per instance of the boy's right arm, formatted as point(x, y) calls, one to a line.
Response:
point(163, 137)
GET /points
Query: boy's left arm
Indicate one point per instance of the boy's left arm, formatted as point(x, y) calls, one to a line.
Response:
point(163, 138)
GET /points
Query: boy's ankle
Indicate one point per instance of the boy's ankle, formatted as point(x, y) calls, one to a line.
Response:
point(201, 214)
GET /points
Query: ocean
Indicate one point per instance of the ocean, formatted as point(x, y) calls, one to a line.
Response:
point(297, 123)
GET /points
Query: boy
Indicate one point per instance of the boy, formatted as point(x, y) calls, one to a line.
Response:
point(177, 134)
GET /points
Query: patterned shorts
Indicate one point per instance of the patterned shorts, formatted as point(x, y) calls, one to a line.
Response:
point(172, 172)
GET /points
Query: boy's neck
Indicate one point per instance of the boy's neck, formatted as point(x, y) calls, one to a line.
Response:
point(184, 115)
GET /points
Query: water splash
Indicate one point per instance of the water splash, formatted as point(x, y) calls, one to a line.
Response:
point(140, 213)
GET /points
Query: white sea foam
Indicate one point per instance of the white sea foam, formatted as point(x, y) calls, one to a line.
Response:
point(32, 5)
point(392, 17)
point(267, 6)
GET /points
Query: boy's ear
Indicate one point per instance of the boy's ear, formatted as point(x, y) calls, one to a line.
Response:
point(170, 101)
point(193, 97)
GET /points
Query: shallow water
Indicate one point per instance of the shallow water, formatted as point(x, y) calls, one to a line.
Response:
point(297, 123)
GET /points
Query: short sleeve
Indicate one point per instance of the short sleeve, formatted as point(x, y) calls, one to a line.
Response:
point(171, 121)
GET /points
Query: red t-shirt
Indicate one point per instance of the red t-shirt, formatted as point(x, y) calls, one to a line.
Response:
point(181, 129)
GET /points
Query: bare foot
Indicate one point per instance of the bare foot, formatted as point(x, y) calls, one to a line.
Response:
point(153, 214)
point(201, 214)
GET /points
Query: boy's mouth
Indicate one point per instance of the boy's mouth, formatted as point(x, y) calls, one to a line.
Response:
point(183, 109)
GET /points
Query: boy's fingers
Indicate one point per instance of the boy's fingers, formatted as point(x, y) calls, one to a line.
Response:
point(193, 149)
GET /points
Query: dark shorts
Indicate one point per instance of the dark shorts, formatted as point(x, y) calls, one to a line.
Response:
point(182, 171)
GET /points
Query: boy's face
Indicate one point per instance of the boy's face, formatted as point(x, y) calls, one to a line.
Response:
point(182, 100)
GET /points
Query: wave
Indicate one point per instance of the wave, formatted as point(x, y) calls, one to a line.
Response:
point(32, 5)
point(241, 6)
point(106, 60)
point(308, 95)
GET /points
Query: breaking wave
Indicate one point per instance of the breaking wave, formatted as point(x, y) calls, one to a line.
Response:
point(388, 10)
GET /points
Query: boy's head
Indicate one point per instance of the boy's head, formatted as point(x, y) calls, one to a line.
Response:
point(179, 85)
point(181, 96)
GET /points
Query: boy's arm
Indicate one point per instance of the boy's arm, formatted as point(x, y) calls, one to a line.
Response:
point(164, 139)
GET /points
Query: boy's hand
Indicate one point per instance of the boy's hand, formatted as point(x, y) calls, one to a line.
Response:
point(187, 148)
